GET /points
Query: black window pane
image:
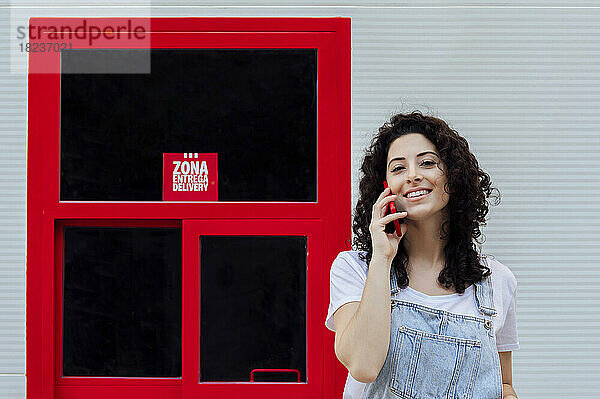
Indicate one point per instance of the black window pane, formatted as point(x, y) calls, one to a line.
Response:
point(253, 308)
point(122, 302)
point(256, 108)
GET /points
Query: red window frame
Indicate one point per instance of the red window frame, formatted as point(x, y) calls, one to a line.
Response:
point(192, 230)
point(46, 214)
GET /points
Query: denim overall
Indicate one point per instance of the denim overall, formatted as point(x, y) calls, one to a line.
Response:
point(435, 354)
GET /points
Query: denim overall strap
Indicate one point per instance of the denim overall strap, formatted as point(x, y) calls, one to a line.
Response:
point(484, 296)
point(393, 282)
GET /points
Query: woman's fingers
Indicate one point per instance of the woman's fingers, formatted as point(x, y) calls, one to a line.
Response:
point(383, 204)
point(388, 218)
point(383, 194)
point(378, 203)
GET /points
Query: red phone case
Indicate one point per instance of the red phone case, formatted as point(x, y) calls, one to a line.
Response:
point(392, 209)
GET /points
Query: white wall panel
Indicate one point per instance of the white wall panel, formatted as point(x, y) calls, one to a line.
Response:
point(12, 386)
point(523, 88)
point(520, 83)
point(296, 4)
point(13, 220)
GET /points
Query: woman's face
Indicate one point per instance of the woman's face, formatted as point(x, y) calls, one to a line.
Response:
point(414, 162)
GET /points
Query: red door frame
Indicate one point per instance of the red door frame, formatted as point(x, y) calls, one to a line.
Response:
point(46, 213)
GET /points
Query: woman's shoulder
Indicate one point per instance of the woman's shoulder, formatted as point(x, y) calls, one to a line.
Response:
point(355, 256)
point(501, 276)
point(352, 259)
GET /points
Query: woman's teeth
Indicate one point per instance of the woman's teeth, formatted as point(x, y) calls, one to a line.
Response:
point(417, 194)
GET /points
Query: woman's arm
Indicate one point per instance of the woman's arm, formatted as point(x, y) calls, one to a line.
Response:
point(508, 391)
point(362, 338)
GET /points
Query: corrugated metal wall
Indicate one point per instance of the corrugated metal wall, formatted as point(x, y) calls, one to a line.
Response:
point(520, 83)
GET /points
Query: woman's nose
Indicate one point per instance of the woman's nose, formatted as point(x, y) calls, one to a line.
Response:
point(413, 176)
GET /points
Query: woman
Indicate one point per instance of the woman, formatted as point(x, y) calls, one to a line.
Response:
point(421, 315)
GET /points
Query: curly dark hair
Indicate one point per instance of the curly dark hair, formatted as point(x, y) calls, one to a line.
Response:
point(467, 185)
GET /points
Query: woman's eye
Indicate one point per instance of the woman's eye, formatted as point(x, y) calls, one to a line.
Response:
point(428, 163)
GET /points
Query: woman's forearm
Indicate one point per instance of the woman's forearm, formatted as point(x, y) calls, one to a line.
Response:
point(364, 343)
point(508, 392)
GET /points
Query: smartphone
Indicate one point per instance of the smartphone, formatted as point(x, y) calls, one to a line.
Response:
point(389, 228)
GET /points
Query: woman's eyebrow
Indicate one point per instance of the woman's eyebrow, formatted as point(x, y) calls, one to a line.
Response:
point(418, 155)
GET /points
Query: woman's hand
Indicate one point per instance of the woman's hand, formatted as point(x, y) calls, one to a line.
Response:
point(385, 244)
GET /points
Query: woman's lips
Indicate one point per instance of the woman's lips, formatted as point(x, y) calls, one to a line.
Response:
point(418, 198)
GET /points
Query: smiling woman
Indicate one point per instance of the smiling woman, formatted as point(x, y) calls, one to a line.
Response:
point(452, 309)
point(413, 152)
point(417, 172)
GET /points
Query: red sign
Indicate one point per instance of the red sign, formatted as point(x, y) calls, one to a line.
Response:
point(190, 176)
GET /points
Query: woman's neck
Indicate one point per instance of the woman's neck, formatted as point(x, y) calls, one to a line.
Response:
point(424, 247)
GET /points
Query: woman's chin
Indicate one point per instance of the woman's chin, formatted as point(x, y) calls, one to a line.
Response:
point(417, 216)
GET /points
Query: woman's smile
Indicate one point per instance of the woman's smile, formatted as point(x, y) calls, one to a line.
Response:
point(413, 166)
point(418, 198)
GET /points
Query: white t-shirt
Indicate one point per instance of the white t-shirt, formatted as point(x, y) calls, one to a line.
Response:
point(348, 276)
